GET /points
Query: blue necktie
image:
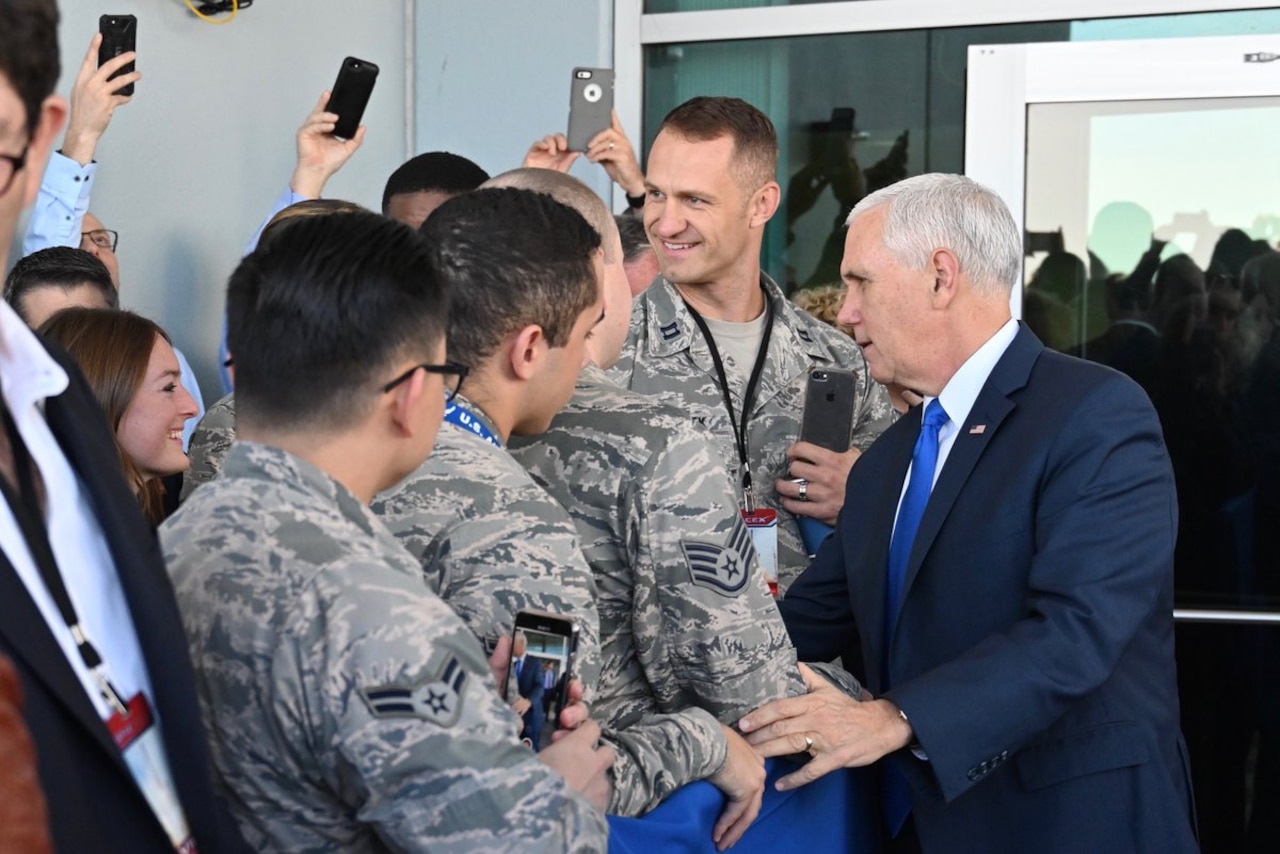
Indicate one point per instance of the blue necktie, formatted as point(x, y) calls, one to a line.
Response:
point(895, 794)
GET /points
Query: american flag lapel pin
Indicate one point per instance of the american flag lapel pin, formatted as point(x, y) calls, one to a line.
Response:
point(977, 429)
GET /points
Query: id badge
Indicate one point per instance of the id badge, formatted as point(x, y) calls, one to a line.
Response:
point(140, 745)
point(763, 525)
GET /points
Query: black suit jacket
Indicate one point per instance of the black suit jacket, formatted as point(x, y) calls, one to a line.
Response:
point(94, 804)
point(1034, 650)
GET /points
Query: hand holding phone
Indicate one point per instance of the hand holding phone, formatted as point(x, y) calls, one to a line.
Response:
point(350, 95)
point(590, 105)
point(543, 646)
point(829, 398)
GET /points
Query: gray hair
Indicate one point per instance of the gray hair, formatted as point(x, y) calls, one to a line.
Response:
point(935, 211)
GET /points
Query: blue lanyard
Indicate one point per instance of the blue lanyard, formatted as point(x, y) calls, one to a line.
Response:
point(456, 413)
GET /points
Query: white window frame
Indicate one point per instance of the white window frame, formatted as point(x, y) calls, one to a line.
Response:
point(633, 29)
point(1004, 79)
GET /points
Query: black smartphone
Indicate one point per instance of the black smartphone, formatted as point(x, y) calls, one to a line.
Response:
point(543, 647)
point(828, 409)
point(590, 105)
point(119, 35)
point(350, 95)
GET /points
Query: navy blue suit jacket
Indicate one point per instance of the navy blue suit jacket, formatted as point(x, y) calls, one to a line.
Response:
point(530, 687)
point(1034, 651)
point(94, 804)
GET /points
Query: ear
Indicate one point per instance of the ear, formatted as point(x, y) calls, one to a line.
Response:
point(53, 114)
point(526, 351)
point(764, 203)
point(402, 404)
point(945, 267)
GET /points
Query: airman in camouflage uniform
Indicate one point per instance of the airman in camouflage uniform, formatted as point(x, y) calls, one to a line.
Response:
point(349, 708)
point(667, 355)
point(209, 444)
point(685, 616)
point(491, 542)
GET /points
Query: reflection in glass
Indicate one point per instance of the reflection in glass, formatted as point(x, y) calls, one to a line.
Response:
point(1150, 231)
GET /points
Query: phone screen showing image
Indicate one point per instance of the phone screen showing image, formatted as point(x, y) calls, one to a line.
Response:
point(542, 650)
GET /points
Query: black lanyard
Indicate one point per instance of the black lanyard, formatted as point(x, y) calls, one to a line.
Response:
point(26, 509)
point(748, 396)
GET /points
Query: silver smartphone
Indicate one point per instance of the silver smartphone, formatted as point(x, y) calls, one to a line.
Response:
point(590, 105)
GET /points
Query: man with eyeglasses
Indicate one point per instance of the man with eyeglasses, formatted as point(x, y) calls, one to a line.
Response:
point(87, 616)
point(61, 215)
point(349, 707)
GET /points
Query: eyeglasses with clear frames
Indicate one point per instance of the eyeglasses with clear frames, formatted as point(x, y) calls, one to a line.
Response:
point(10, 165)
point(449, 369)
point(103, 238)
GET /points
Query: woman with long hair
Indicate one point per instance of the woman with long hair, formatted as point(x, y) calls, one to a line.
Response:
point(129, 363)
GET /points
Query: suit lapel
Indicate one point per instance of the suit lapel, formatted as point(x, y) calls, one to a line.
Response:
point(990, 410)
point(29, 638)
point(867, 546)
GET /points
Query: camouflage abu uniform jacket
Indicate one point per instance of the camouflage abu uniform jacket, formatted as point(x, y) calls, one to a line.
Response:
point(492, 542)
point(685, 616)
point(349, 709)
point(209, 444)
point(666, 355)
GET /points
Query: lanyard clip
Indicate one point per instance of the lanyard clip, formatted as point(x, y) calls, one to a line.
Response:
point(109, 693)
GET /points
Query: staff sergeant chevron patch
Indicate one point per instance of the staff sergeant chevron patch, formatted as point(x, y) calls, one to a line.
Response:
point(438, 701)
point(724, 569)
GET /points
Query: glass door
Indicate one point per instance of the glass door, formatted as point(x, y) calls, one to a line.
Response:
point(1147, 178)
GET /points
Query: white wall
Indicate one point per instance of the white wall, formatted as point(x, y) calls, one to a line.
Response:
point(191, 166)
point(492, 76)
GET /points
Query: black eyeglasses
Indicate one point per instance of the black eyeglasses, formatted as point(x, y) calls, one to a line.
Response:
point(103, 238)
point(448, 369)
point(10, 166)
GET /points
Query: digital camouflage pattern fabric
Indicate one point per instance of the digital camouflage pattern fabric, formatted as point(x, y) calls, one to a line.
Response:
point(491, 542)
point(348, 707)
point(685, 616)
point(209, 444)
point(667, 356)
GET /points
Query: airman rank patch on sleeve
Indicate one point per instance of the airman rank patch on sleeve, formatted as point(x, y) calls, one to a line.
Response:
point(722, 568)
point(438, 701)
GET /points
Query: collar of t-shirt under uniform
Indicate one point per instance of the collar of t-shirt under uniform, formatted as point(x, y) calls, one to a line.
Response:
point(673, 330)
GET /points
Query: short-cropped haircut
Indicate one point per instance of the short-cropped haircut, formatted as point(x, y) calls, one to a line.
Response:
point(755, 142)
point(61, 267)
point(511, 258)
point(319, 314)
point(434, 171)
point(567, 190)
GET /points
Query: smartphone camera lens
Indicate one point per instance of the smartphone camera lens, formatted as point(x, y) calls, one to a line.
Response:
point(820, 376)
